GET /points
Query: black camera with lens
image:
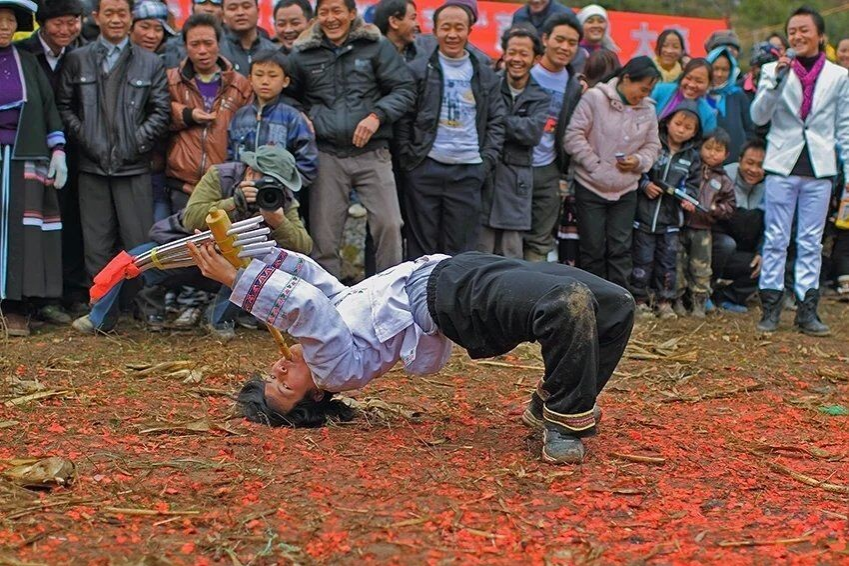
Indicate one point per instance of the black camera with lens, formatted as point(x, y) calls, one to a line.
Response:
point(271, 194)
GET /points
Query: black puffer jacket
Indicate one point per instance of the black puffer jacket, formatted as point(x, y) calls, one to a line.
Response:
point(571, 98)
point(416, 131)
point(142, 110)
point(664, 213)
point(339, 86)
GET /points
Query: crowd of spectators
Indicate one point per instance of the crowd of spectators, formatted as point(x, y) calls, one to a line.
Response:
point(684, 180)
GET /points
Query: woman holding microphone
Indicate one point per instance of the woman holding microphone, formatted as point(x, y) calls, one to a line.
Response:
point(804, 98)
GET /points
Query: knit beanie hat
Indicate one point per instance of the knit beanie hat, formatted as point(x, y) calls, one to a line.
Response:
point(49, 9)
point(720, 38)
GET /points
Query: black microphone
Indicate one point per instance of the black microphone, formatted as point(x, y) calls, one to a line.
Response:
point(782, 73)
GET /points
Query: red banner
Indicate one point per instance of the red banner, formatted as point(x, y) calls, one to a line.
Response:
point(634, 33)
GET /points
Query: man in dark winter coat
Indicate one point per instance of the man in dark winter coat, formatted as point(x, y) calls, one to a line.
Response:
point(536, 12)
point(451, 140)
point(242, 38)
point(113, 99)
point(738, 240)
point(507, 195)
point(60, 22)
point(353, 85)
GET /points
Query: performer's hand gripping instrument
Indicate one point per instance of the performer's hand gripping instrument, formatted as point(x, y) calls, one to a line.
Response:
point(237, 242)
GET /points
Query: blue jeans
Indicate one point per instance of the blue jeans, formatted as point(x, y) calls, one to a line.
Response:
point(655, 257)
point(161, 200)
point(105, 312)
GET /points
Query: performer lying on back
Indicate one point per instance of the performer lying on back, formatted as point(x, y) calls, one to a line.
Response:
point(413, 312)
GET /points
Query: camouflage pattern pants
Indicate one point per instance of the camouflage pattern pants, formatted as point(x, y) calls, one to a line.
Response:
point(694, 257)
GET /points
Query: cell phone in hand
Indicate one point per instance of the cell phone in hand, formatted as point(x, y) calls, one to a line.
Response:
point(620, 157)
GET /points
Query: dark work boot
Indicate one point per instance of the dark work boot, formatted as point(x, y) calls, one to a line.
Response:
point(560, 447)
point(771, 310)
point(807, 320)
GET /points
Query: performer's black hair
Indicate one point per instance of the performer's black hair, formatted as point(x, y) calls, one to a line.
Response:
point(307, 413)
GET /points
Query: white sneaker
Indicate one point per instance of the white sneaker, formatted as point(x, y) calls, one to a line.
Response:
point(188, 318)
point(357, 210)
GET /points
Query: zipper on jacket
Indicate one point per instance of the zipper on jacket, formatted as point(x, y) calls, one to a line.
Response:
point(660, 198)
point(202, 167)
point(258, 127)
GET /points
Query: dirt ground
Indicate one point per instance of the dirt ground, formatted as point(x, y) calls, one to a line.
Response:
point(717, 445)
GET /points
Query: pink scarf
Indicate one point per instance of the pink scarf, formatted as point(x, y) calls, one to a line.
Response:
point(809, 81)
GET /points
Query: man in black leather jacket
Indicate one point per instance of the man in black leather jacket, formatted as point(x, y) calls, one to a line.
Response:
point(114, 102)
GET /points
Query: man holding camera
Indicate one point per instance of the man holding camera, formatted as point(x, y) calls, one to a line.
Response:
point(268, 176)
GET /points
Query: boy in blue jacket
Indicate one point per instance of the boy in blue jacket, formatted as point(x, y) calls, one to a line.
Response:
point(270, 120)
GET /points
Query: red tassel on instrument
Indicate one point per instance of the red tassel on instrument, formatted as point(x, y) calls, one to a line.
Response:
point(121, 267)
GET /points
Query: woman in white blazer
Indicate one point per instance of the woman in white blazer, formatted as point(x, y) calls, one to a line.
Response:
point(806, 99)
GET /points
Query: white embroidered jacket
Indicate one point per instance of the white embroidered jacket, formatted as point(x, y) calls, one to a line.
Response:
point(827, 124)
point(350, 335)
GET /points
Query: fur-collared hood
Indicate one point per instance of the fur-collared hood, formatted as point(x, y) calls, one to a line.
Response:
point(312, 37)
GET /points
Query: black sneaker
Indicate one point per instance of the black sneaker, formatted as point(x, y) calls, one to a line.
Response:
point(560, 447)
point(54, 314)
point(247, 321)
point(533, 415)
point(154, 323)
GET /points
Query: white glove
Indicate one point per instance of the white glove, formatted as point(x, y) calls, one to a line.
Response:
point(58, 170)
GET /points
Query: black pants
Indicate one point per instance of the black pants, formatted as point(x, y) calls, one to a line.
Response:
point(606, 229)
point(735, 264)
point(545, 208)
point(723, 247)
point(840, 254)
point(443, 204)
point(75, 279)
point(655, 263)
point(116, 212)
point(489, 304)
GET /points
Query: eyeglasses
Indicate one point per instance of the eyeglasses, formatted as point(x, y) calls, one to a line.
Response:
point(216, 2)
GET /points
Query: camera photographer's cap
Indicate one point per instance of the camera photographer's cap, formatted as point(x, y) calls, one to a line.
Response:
point(274, 161)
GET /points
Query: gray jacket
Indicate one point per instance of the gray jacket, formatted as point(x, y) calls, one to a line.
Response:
point(339, 86)
point(507, 194)
point(416, 131)
point(232, 50)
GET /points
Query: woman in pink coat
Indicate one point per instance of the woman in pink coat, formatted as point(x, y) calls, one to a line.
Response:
point(612, 140)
